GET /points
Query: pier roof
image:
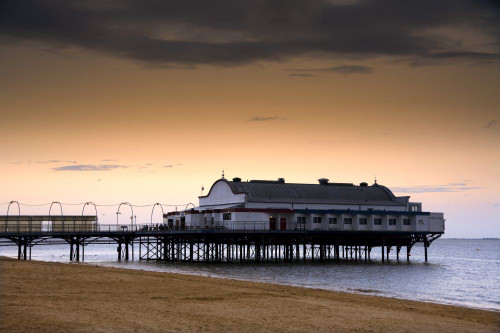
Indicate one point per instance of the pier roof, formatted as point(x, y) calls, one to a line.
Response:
point(279, 191)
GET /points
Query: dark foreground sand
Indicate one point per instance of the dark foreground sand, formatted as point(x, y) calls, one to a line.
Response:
point(54, 297)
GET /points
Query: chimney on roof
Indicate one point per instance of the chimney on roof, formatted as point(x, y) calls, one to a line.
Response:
point(281, 180)
point(237, 179)
point(323, 181)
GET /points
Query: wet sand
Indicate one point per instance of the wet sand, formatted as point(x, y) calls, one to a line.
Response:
point(55, 297)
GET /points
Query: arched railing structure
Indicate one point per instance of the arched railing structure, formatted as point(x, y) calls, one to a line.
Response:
point(131, 209)
point(152, 210)
point(18, 207)
point(60, 206)
point(190, 204)
point(95, 208)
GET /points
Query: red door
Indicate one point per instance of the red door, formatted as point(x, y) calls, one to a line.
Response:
point(272, 223)
point(283, 223)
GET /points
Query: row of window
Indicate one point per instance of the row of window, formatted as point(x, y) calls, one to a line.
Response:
point(333, 220)
point(348, 220)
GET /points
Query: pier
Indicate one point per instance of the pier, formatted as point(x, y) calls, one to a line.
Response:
point(220, 244)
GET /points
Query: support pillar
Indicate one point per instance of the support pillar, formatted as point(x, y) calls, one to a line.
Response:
point(383, 252)
point(426, 245)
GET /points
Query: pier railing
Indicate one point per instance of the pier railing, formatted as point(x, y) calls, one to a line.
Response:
point(28, 227)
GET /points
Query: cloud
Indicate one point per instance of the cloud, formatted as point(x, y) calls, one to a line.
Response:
point(233, 32)
point(301, 75)
point(491, 124)
point(45, 162)
point(55, 162)
point(496, 204)
point(342, 69)
point(450, 187)
point(99, 180)
point(172, 165)
point(264, 118)
point(89, 167)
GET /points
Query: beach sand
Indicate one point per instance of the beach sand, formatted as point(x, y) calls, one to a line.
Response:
point(57, 297)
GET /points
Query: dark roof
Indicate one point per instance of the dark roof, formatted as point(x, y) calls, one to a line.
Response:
point(271, 191)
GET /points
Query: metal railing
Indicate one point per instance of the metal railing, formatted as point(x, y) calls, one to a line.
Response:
point(31, 227)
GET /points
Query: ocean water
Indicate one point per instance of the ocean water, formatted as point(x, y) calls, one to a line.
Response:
point(463, 272)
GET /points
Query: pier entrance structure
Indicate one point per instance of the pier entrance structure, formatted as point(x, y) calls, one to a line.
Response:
point(258, 220)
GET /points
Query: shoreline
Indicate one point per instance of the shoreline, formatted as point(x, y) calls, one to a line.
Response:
point(39, 296)
point(349, 291)
point(354, 291)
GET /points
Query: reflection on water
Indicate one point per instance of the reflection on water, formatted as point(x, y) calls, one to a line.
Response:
point(459, 271)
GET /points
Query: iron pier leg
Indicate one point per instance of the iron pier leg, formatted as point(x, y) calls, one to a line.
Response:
point(77, 249)
point(383, 252)
point(140, 248)
point(408, 249)
point(426, 244)
point(119, 249)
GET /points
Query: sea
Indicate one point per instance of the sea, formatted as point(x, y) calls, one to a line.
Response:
point(464, 272)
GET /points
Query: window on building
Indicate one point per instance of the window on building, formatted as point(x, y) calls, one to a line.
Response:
point(363, 220)
point(392, 221)
point(301, 219)
point(226, 216)
point(347, 220)
point(406, 221)
point(317, 219)
point(332, 220)
point(377, 221)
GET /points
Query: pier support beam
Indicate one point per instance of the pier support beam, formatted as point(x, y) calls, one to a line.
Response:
point(426, 245)
point(383, 245)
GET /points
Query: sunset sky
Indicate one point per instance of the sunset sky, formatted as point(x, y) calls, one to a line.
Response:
point(148, 101)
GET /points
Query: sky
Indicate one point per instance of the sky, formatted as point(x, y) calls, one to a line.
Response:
point(146, 102)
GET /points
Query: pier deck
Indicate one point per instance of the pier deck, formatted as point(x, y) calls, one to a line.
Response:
point(158, 242)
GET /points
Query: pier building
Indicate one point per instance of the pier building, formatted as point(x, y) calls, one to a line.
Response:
point(257, 220)
point(325, 206)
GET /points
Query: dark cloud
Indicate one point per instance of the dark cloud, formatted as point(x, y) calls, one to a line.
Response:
point(491, 124)
point(301, 75)
point(342, 69)
point(450, 187)
point(89, 167)
point(232, 32)
point(263, 118)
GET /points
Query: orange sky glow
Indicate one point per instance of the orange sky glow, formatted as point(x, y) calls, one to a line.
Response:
point(158, 132)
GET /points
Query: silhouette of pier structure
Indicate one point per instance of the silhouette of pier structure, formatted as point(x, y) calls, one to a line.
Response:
point(163, 243)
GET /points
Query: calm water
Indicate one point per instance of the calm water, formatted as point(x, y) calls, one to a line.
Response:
point(460, 271)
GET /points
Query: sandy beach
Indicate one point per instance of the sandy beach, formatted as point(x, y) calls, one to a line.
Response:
point(56, 297)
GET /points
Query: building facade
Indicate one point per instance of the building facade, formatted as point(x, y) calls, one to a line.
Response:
point(277, 205)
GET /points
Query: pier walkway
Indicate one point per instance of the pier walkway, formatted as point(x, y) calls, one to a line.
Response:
point(248, 242)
